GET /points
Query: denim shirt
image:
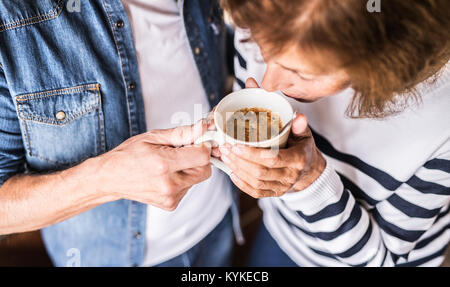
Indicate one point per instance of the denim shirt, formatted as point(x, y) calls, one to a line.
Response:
point(70, 90)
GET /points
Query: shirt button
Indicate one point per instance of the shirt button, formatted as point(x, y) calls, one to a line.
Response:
point(197, 50)
point(132, 86)
point(212, 96)
point(120, 24)
point(137, 235)
point(61, 115)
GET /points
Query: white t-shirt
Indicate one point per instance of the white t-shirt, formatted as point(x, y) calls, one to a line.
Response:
point(173, 96)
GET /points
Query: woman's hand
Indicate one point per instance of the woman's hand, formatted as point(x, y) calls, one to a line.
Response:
point(268, 173)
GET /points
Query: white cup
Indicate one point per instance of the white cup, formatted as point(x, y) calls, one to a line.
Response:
point(248, 98)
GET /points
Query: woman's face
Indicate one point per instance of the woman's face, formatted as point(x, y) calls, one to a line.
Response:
point(291, 74)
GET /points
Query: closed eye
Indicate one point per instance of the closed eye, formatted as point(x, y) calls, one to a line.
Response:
point(295, 72)
point(302, 77)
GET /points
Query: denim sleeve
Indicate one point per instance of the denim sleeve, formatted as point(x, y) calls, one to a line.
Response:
point(12, 153)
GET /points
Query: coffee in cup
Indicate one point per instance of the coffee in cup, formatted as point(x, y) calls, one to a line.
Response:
point(259, 102)
point(253, 124)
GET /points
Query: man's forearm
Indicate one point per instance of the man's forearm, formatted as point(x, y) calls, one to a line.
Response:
point(144, 168)
point(31, 202)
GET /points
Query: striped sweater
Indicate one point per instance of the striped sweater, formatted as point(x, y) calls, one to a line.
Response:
point(383, 199)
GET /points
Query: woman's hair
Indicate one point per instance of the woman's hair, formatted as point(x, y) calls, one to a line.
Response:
point(386, 54)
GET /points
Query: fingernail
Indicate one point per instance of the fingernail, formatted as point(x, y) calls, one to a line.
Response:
point(200, 122)
point(208, 145)
point(237, 149)
point(224, 150)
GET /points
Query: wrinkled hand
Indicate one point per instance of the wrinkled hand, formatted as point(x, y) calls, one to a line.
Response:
point(157, 167)
point(271, 173)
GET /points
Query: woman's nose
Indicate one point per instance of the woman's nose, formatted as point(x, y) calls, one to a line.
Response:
point(272, 80)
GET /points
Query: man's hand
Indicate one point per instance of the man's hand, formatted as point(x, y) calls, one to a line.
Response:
point(271, 173)
point(157, 167)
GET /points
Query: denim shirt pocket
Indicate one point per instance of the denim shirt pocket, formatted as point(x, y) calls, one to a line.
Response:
point(15, 14)
point(62, 127)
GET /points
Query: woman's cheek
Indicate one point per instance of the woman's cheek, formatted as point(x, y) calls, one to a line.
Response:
point(310, 91)
point(324, 89)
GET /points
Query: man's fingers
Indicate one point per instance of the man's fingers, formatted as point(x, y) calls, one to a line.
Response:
point(171, 202)
point(215, 152)
point(178, 136)
point(189, 177)
point(175, 185)
point(211, 126)
point(166, 160)
point(192, 156)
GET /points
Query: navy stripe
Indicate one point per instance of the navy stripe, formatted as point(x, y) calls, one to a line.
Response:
point(358, 246)
point(423, 260)
point(440, 164)
point(351, 222)
point(444, 213)
point(428, 240)
point(406, 235)
point(240, 83)
point(411, 209)
point(241, 59)
point(386, 253)
point(427, 187)
point(295, 245)
point(325, 254)
point(329, 211)
point(398, 256)
point(394, 257)
point(352, 251)
point(306, 257)
point(356, 191)
point(380, 176)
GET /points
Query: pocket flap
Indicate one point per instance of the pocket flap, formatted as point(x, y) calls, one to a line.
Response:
point(18, 13)
point(59, 107)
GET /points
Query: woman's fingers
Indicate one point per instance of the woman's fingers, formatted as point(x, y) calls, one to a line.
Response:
point(254, 171)
point(253, 192)
point(251, 83)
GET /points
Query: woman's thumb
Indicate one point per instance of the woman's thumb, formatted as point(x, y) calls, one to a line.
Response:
point(300, 125)
point(251, 83)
